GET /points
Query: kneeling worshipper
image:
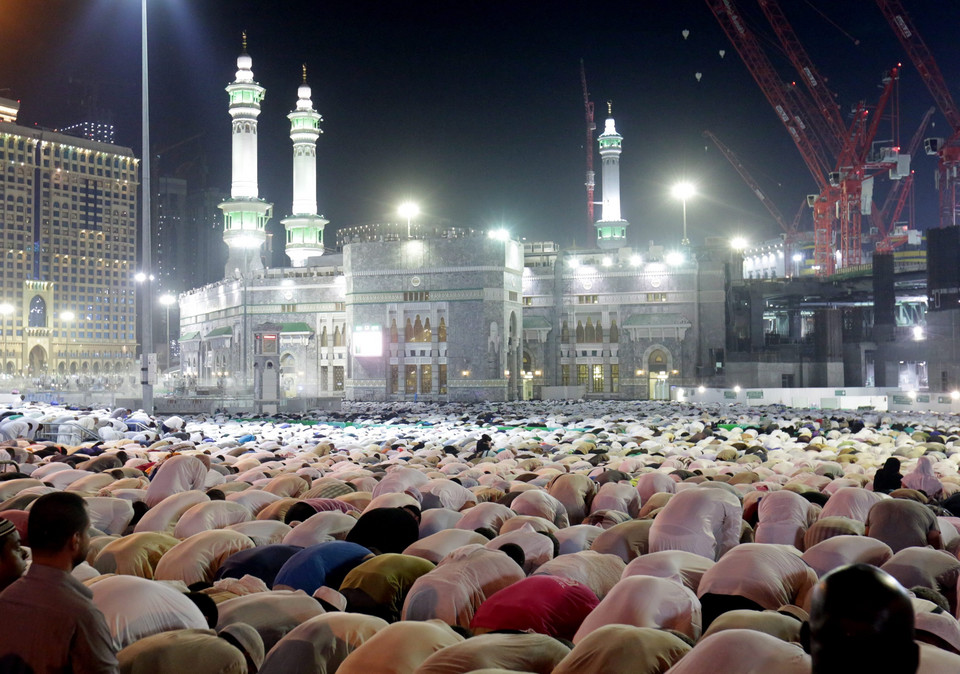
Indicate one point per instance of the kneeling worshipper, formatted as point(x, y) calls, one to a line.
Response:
point(198, 651)
point(740, 651)
point(757, 576)
point(536, 653)
point(613, 649)
point(646, 601)
point(321, 644)
point(462, 581)
point(379, 586)
point(542, 604)
point(704, 521)
point(399, 648)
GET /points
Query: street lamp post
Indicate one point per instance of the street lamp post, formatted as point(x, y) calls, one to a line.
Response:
point(146, 314)
point(6, 309)
point(408, 210)
point(66, 317)
point(683, 191)
point(167, 300)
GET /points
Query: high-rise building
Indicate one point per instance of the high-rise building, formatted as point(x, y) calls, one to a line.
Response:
point(102, 132)
point(170, 255)
point(68, 213)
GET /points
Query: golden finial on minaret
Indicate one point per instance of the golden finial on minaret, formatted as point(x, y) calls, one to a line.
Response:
point(609, 107)
point(244, 41)
point(304, 66)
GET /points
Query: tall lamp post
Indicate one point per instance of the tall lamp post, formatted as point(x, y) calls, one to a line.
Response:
point(6, 309)
point(66, 317)
point(146, 313)
point(408, 210)
point(167, 300)
point(683, 191)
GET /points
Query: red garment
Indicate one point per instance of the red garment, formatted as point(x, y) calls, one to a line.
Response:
point(543, 604)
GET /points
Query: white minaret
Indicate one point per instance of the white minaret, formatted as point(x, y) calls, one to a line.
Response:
point(304, 227)
point(611, 227)
point(245, 214)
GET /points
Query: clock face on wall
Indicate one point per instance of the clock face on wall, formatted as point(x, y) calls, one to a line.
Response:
point(288, 295)
point(656, 281)
point(415, 281)
point(586, 283)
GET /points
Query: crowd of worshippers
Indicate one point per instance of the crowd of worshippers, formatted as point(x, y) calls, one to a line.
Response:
point(608, 543)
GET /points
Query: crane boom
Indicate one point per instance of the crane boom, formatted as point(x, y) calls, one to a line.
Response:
point(814, 82)
point(591, 127)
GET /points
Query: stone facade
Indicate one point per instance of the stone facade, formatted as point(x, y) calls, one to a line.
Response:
point(464, 319)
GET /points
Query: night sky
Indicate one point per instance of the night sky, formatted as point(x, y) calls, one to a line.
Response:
point(474, 109)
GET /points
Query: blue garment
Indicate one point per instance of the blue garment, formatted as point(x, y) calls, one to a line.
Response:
point(263, 562)
point(244, 439)
point(322, 564)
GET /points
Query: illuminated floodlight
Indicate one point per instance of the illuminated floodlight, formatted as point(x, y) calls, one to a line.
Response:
point(955, 394)
point(6, 309)
point(408, 210)
point(499, 234)
point(797, 257)
point(636, 260)
point(674, 258)
point(607, 261)
point(67, 316)
point(683, 190)
point(139, 277)
point(918, 334)
point(912, 395)
point(738, 243)
point(701, 389)
point(167, 299)
point(573, 262)
point(736, 389)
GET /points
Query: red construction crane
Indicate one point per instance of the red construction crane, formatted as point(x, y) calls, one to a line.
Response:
point(948, 152)
point(897, 196)
point(814, 82)
point(591, 127)
point(789, 228)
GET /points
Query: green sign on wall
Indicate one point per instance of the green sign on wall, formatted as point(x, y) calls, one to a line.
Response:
point(729, 394)
point(902, 400)
point(840, 392)
point(754, 395)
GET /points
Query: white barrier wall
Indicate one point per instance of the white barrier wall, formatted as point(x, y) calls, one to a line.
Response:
point(880, 399)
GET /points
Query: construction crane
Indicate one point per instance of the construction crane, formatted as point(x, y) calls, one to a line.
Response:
point(897, 196)
point(814, 82)
point(947, 151)
point(591, 127)
point(790, 229)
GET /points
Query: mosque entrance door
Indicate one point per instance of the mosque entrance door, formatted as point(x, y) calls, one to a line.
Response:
point(659, 385)
point(38, 360)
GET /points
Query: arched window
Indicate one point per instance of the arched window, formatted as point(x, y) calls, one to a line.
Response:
point(657, 361)
point(427, 332)
point(337, 336)
point(564, 333)
point(394, 335)
point(580, 337)
point(323, 336)
point(442, 330)
point(408, 332)
point(614, 331)
point(588, 333)
point(417, 330)
point(38, 313)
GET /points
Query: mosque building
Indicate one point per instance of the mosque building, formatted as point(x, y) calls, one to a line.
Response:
point(440, 313)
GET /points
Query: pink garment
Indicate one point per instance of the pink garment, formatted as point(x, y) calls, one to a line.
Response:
point(176, 474)
point(598, 571)
point(617, 496)
point(923, 479)
point(768, 574)
point(488, 515)
point(684, 567)
point(575, 492)
point(838, 551)
point(649, 484)
point(703, 521)
point(538, 503)
point(437, 546)
point(851, 502)
point(740, 651)
point(645, 601)
point(784, 518)
point(454, 590)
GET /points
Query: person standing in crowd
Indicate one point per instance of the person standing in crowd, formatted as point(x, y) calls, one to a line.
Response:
point(13, 558)
point(57, 628)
